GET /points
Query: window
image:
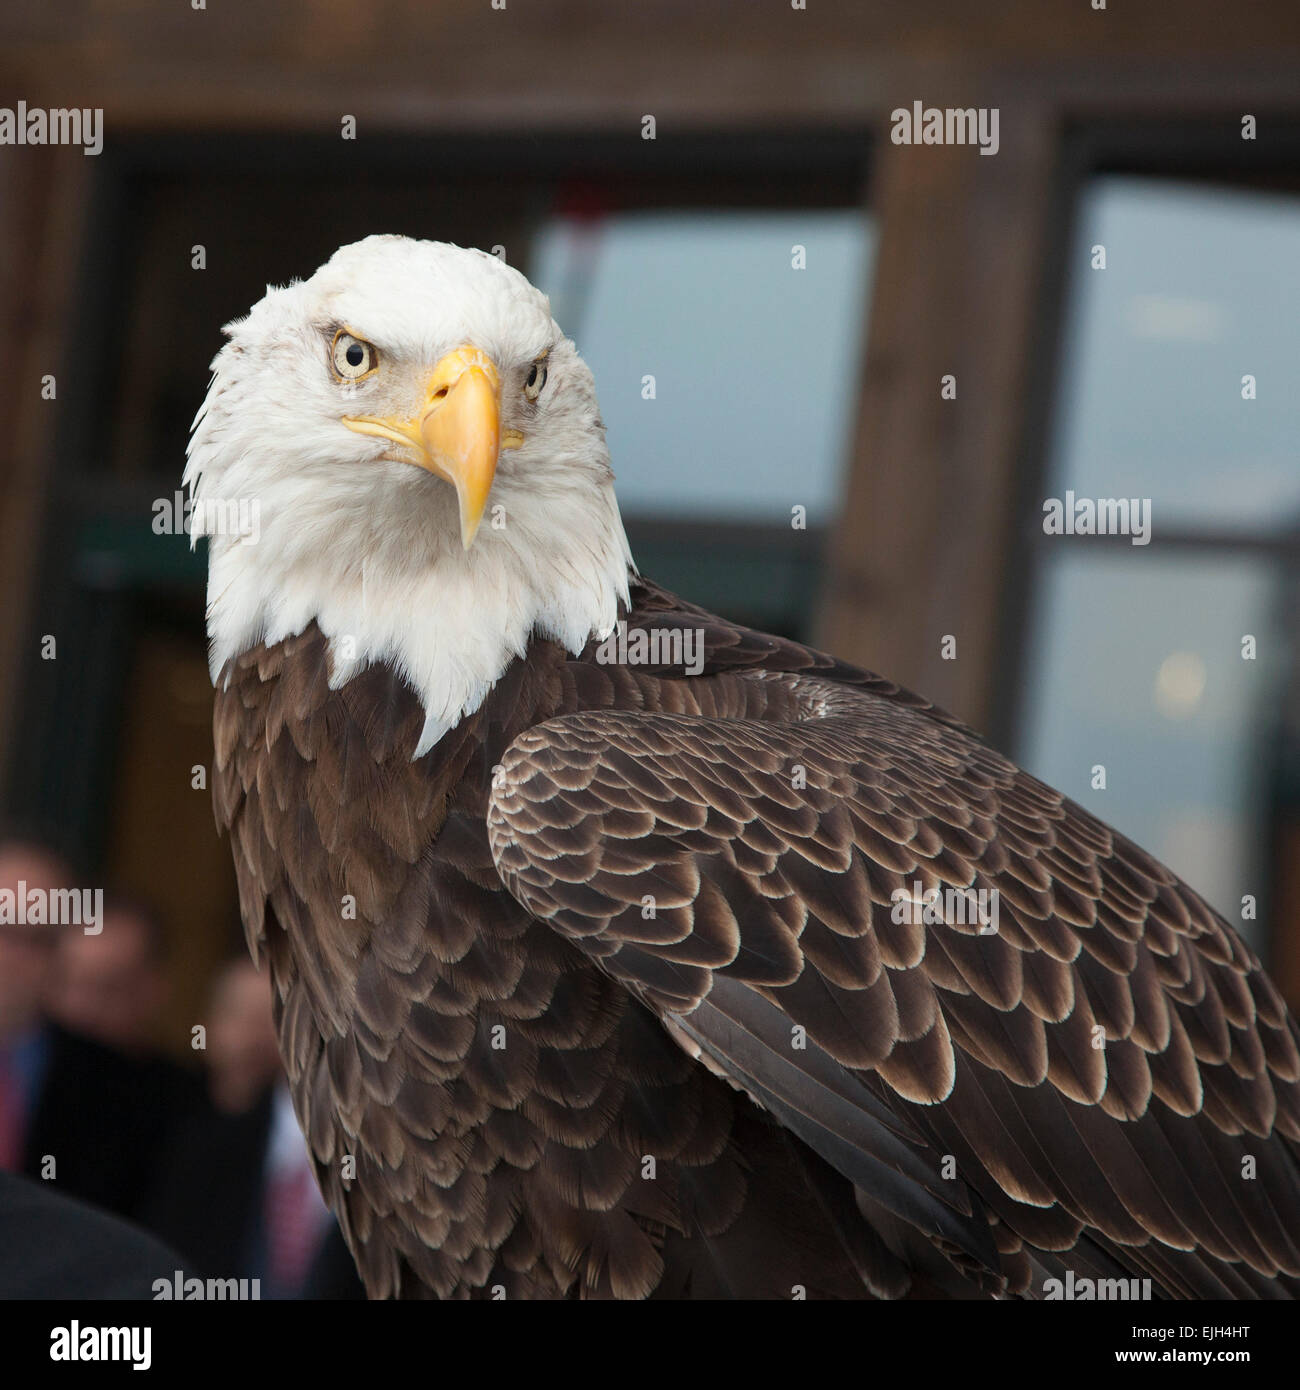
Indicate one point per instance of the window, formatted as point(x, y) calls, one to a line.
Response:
point(1177, 388)
point(754, 362)
point(726, 351)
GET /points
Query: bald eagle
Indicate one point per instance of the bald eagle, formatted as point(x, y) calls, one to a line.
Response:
point(645, 970)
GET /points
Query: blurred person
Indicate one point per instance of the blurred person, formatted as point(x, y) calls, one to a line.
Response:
point(27, 956)
point(74, 1112)
point(112, 985)
point(239, 1198)
point(243, 1055)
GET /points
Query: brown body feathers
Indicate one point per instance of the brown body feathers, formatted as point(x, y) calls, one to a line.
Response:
point(608, 994)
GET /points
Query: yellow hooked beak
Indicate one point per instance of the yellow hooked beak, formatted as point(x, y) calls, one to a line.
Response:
point(457, 432)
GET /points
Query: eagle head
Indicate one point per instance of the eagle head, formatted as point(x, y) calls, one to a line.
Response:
point(406, 450)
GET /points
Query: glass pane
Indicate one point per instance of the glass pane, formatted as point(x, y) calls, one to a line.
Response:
point(755, 363)
point(1137, 665)
point(1199, 290)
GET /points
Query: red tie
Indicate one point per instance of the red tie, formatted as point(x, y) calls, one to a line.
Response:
point(11, 1116)
point(291, 1229)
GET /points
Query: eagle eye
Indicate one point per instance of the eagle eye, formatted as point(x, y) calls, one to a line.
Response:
point(535, 380)
point(353, 357)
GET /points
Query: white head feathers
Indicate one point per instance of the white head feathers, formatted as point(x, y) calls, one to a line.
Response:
point(369, 546)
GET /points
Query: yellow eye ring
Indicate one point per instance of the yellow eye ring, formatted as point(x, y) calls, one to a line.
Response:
point(352, 357)
point(535, 380)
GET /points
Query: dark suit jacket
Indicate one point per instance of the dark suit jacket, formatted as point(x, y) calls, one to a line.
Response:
point(105, 1118)
point(210, 1199)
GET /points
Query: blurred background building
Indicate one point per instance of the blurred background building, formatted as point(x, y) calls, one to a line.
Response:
point(771, 293)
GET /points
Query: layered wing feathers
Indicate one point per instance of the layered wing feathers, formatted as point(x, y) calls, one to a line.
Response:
point(1110, 1064)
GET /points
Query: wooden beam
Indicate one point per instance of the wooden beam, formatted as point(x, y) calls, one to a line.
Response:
point(917, 554)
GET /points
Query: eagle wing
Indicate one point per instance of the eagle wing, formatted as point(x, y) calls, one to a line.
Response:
point(1107, 1074)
